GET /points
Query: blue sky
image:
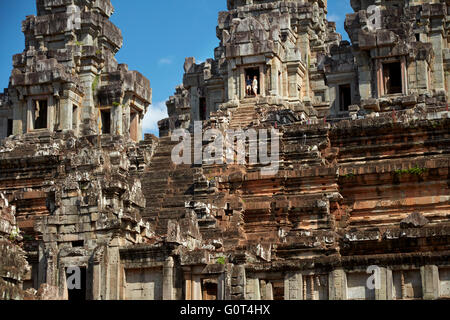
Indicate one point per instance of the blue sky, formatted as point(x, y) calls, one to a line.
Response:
point(158, 35)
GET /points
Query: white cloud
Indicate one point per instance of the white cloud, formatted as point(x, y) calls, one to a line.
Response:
point(156, 112)
point(165, 61)
point(333, 17)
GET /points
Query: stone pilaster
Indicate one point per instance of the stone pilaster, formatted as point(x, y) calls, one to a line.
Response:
point(430, 282)
point(293, 285)
point(337, 285)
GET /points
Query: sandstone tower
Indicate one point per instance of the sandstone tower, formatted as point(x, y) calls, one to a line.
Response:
point(67, 77)
point(398, 58)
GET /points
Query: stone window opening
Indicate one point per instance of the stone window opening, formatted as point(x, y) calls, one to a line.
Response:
point(280, 84)
point(78, 294)
point(315, 287)
point(134, 124)
point(78, 244)
point(106, 121)
point(40, 114)
point(228, 211)
point(250, 74)
point(407, 284)
point(50, 202)
point(9, 128)
point(202, 109)
point(392, 77)
point(345, 97)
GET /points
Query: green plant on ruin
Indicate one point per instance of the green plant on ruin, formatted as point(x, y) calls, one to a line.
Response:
point(79, 43)
point(116, 104)
point(413, 171)
point(435, 124)
point(349, 175)
point(14, 234)
point(95, 83)
point(221, 260)
point(27, 237)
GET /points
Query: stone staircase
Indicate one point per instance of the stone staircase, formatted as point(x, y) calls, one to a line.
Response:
point(166, 187)
point(245, 115)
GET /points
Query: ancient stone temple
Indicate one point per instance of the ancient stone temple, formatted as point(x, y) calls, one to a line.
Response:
point(361, 190)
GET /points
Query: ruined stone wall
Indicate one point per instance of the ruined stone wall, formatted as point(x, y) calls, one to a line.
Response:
point(78, 200)
point(355, 194)
point(346, 197)
point(13, 265)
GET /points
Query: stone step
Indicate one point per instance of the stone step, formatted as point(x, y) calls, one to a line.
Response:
point(166, 187)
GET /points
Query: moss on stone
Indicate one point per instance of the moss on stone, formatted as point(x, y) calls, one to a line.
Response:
point(413, 171)
point(95, 83)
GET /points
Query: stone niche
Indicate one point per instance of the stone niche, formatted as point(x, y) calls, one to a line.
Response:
point(391, 76)
point(444, 282)
point(144, 284)
point(357, 287)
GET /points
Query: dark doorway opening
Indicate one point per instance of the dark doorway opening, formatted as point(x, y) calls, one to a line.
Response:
point(134, 124)
point(9, 128)
point(278, 290)
point(392, 75)
point(74, 117)
point(106, 121)
point(32, 281)
point(78, 294)
point(209, 289)
point(250, 75)
point(78, 244)
point(202, 109)
point(40, 114)
point(345, 97)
